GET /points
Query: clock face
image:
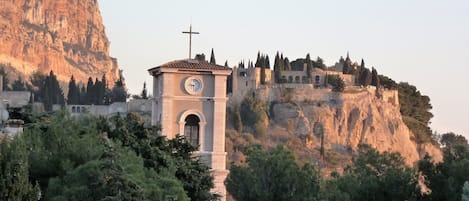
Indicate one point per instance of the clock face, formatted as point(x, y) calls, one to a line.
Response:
point(193, 85)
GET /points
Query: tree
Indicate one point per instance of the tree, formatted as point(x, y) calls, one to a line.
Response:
point(365, 77)
point(446, 179)
point(38, 81)
point(14, 172)
point(278, 68)
point(162, 155)
point(52, 93)
point(415, 109)
point(465, 193)
point(4, 74)
point(90, 92)
point(378, 176)
point(212, 58)
point(272, 175)
point(73, 96)
point(319, 63)
point(119, 91)
point(374, 78)
point(309, 68)
point(18, 85)
point(144, 93)
point(226, 63)
point(337, 83)
point(451, 139)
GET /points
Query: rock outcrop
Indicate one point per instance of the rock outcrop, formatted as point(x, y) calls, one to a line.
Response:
point(66, 36)
point(344, 121)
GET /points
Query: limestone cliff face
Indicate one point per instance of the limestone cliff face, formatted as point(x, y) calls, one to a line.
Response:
point(345, 120)
point(66, 36)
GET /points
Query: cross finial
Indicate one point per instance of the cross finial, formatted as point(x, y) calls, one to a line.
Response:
point(190, 32)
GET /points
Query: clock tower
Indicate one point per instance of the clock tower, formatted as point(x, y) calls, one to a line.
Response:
point(190, 100)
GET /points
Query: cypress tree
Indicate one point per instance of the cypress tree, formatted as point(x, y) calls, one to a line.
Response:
point(144, 94)
point(90, 92)
point(258, 60)
point(320, 63)
point(277, 69)
point(73, 97)
point(18, 85)
point(6, 82)
point(287, 65)
point(226, 63)
point(212, 58)
point(309, 68)
point(374, 77)
point(267, 62)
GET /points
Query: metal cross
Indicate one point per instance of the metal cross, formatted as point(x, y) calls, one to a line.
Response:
point(190, 32)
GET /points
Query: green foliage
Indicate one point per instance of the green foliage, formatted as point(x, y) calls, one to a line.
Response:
point(415, 109)
point(18, 85)
point(337, 83)
point(5, 81)
point(52, 93)
point(73, 96)
point(272, 175)
point(14, 182)
point(365, 77)
point(212, 58)
point(162, 155)
point(98, 159)
point(374, 176)
point(319, 63)
point(119, 91)
point(451, 140)
point(238, 122)
point(375, 78)
point(253, 111)
point(446, 179)
point(465, 193)
point(387, 82)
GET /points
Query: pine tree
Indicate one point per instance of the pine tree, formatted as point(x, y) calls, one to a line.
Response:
point(73, 96)
point(212, 58)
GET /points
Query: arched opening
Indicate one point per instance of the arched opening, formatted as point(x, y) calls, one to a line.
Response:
point(191, 129)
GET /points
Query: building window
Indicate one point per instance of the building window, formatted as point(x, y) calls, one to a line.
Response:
point(290, 79)
point(191, 129)
point(74, 110)
point(297, 79)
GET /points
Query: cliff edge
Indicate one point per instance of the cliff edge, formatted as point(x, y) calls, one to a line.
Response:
point(61, 35)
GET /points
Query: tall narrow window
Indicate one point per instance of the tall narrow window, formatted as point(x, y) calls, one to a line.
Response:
point(191, 129)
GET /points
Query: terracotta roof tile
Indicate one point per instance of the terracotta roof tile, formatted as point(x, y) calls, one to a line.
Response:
point(191, 64)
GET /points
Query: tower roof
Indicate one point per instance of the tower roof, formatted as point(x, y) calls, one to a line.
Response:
point(190, 64)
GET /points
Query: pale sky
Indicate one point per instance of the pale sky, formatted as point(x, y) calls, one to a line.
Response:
point(423, 42)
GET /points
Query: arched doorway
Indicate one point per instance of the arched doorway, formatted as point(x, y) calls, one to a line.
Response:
point(191, 129)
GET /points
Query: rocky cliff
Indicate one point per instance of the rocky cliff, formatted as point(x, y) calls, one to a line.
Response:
point(66, 36)
point(340, 122)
